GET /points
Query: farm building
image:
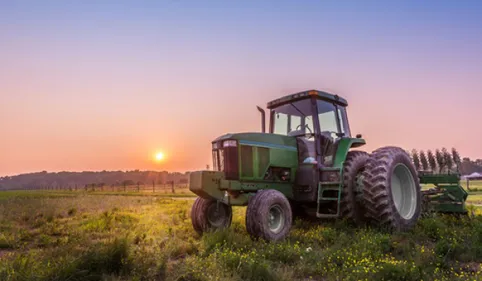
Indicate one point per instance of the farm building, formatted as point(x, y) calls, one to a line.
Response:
point(473, 176)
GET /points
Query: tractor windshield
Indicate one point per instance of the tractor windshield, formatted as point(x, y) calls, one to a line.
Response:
point(293, 118)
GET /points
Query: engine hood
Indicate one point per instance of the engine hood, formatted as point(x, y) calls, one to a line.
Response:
point(261, 139)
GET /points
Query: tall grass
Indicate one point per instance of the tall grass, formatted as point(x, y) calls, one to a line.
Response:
point(108, 237)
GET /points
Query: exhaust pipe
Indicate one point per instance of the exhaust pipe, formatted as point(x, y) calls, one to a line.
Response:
point(263, 119)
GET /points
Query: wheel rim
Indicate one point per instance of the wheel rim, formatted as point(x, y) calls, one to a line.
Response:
point(276, 219)
point(404, 191)
point(216, 215)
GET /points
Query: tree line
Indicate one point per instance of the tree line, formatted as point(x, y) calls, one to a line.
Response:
point(440, 161)
point(91, 180)
point(444, 161)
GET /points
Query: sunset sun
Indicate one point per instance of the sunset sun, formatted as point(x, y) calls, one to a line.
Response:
point(159, 156)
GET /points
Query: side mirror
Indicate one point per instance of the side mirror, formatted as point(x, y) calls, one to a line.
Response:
point(358, 136)
point(263, 119)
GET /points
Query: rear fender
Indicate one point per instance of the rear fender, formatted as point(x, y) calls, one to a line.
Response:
point(344, 146)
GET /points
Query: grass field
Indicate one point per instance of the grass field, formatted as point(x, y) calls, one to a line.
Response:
point(475, 198)
point(93, 236)
point(477, 185)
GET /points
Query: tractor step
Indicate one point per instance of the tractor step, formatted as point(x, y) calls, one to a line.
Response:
point(328, 186)
point(334, 188)
point(330, 183)
point(329, 199)
point(327, 216)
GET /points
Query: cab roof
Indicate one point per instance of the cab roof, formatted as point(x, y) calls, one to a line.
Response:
point(303, 95)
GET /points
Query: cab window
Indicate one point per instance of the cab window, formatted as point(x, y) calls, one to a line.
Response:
point(292, 117)
point(330, 116)
point(327, 116)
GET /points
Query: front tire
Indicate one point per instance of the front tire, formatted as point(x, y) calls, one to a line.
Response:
point(391, 191)
point(268, 215)
point(209, 215)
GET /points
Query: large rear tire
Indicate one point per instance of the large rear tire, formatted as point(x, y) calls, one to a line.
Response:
point(268, 215)
point(391, 193)
point(209, 215)
point(351, 202)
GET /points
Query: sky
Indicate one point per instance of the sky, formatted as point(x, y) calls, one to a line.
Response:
point(104, 85)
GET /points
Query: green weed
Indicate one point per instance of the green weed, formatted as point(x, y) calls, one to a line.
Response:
point(92, 236)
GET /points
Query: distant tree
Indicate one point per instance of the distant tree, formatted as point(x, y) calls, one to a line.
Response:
point(447, 159)
point(423, 160)
point(139, 183)
point(431, 160)
point(126, 183)
point(416, 159)
point(439, 156)
point(456, 156)
point(84, 180)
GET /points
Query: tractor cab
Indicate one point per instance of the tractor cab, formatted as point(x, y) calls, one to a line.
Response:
point(317, 119)
point(319, 122)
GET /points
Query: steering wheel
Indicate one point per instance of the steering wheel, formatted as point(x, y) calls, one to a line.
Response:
point(305, 126)
point(301, 134)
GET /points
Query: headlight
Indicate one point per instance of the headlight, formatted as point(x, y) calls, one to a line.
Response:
point(229, 143)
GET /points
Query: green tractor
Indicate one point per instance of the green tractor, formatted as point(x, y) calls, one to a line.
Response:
point(306, 166)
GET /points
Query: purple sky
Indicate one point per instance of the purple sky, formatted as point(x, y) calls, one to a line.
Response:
point(93, 86)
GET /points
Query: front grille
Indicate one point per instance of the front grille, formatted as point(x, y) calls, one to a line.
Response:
point(226, 160)
point(215, 161)
point(263, 156)
point(247, 161)
point(221, 159)
point(231, 163)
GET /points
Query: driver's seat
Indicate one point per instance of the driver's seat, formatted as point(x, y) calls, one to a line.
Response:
point(306, 150)
point(329, 146)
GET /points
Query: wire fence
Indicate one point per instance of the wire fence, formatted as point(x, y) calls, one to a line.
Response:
point(145, 188)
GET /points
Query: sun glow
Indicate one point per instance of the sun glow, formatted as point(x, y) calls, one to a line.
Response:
point(159, 156)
